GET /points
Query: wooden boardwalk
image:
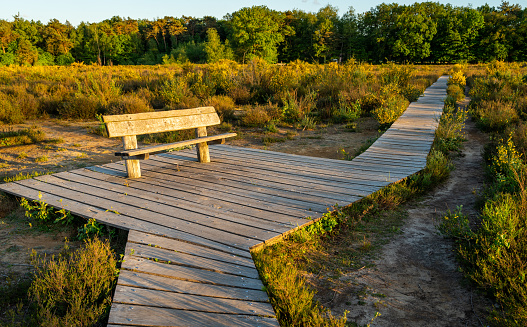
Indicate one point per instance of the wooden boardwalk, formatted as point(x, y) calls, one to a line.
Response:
point(192, 226)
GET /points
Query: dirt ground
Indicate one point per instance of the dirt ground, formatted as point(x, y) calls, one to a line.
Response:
point(416, 281)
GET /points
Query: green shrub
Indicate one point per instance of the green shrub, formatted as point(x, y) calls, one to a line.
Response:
point(456, 92)
point(9, 113)
point(391, 108)
point(456, 225)
point(80, 107)
point(74, 289)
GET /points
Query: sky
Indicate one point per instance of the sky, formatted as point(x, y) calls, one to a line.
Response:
point(98, 10)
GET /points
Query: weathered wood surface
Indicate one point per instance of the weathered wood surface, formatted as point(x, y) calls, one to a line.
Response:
point(168, 146)
point(191, 226)
point(162, 121)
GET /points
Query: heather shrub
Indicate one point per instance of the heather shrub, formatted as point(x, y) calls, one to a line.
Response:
point(392, 106)
point(495, 115)
point(79, 107)
point(256, 116)
point(128, 104)
point(74, 289)
point(456, 92)
point(8, 113)
point(223, 104)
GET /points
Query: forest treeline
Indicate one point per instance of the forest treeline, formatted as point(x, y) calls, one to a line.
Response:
point(427, 32)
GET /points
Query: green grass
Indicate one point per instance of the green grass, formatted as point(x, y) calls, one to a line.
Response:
point(21, 137)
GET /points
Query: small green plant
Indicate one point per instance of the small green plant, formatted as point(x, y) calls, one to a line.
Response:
point(39, 211)
point(42, 159)
point(100, 129)
point(271, 127)
point(22, 176)
point(455, 224)
point(90, 229)
point(22, 155)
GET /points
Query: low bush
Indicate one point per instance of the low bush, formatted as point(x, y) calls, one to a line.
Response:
point(74, 289)
point(495, 115)
point(128, 104)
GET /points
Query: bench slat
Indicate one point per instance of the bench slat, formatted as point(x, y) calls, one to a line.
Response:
point(159, 114)
point(147, 126)
point(163, 147)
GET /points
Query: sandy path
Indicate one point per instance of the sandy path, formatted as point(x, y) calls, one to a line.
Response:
point(416, 281)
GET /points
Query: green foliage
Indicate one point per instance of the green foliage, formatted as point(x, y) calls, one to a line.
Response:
point(39, 211)
point(456, 225)
point(23, 136)
point(256, 32)
point(74, 289)
point(291, 298)
point(449, 133)
point(494, 254)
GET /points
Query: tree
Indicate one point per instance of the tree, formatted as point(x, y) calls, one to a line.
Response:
point(414, 30)
point(57, 37)
point(324, 38)
point(214, 49)
point(6, 35)
point(257, 32)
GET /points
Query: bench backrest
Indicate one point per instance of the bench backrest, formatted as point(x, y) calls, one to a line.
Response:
point(161, 121)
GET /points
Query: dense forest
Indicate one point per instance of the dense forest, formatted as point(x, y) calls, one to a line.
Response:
point(427, 32)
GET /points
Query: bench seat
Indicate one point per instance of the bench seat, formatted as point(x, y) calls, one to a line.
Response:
point(163, 147)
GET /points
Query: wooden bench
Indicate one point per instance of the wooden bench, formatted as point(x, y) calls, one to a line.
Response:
point(131, 125)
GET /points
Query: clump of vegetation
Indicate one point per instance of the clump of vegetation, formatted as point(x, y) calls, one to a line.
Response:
point(20, 137)
point(75, 288)
point(494, 255)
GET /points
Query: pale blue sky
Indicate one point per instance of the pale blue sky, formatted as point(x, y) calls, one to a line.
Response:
point(98, 10)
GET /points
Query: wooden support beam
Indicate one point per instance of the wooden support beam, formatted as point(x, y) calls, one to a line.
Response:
point(202, 148)
point(132, 166)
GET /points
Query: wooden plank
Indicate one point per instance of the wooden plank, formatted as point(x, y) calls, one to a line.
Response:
point(240, 186)
point(189, 274)
point(233, 191)
point(159, 114)
point(137, 237)
point(189, 260)
point(280, 179)
point(118, 220)
point(270, 213)
point(181, 301)
point(147, 126)
point(347, 170)
point(153, 316)
point(180, 203)
point(168, 146)
point(298, 167)
point(196, 223)
point(155, 282)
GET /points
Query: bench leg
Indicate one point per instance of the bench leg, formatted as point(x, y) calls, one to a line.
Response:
point(132, 166)
point(202, 148)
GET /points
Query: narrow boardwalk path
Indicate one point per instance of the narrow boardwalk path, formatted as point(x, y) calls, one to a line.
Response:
point(192, 226)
